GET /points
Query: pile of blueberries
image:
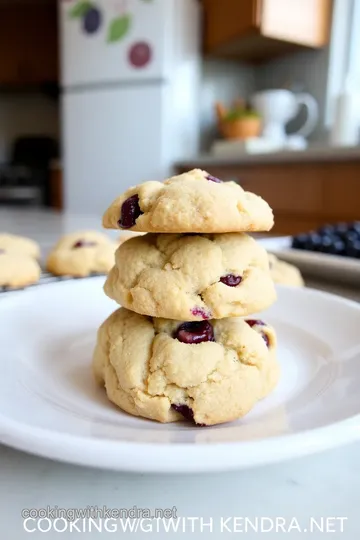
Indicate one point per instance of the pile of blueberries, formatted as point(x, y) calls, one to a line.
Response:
point(339, 239)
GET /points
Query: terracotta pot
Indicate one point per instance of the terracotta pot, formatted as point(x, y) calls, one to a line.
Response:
point(240, 129)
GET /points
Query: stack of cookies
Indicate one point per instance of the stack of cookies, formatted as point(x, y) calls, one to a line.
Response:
point(180, 346)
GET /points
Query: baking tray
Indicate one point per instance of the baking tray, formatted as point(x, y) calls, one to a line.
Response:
point(45, 278)
point(319, 265)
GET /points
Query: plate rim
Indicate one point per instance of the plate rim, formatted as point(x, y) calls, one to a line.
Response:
point(128, 456)
point(219, 457)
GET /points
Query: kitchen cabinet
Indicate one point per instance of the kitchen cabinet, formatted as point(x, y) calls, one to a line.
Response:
point(28, 43)
point(303, 194)
point(255, 30)
point(56, 186)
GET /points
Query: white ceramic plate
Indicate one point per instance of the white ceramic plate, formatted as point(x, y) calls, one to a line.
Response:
point(50, 406)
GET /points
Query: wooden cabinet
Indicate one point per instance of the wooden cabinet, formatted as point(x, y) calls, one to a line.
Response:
point(303, 195)
point(260, 29)
point(28, 43)
point(56, 187)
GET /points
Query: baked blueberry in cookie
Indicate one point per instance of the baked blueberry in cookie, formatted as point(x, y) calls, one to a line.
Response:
point(130, 211)
point(83, 243)
point(186, 412)
point(194, 332)
point(199, 312)
point(231, 280)
point(258, 322)
point(213, 179)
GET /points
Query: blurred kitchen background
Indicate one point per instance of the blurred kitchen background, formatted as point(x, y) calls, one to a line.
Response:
point(98, 95)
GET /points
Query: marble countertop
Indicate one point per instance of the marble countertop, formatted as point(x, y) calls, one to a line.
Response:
point(323, 485)
point(313, 154)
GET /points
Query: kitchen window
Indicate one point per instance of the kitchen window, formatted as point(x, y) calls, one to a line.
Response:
point(344, 54)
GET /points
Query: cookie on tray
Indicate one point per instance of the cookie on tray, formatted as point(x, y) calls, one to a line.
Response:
point(284, 273)
point(17, 270)
point(192, 277)
point(12, 243)
point(82, 253)
point(209, 372)
point(191, 202)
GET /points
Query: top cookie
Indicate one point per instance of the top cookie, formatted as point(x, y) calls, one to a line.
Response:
point(12, 243)
point(191, 202)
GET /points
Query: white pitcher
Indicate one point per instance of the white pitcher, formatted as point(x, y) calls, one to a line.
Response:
point(278, 107)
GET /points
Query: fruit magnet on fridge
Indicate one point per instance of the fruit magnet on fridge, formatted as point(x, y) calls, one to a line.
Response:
point(119, 25)
point(139, 54)
point(89, 14)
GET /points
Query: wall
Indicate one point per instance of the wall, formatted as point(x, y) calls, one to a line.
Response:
point(26, 114)
point(305, 72)
point(222, 80)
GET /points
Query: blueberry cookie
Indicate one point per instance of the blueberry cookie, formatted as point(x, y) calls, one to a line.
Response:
point(208, 372)
point(285, 273)
point(192, 202)
point(17, 270)
point(82, 253)
point(192, 277)
point(12, 243)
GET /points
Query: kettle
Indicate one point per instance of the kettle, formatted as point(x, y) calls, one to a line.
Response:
point(278, 107)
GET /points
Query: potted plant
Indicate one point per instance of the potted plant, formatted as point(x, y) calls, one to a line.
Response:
point(238, 122)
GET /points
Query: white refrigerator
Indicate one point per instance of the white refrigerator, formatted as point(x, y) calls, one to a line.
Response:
point(130, 91)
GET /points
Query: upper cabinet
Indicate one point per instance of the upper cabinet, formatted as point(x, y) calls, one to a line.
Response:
point(259, 29)
point(28, 43)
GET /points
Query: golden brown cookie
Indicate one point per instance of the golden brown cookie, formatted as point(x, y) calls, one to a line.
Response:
point(82, 253)
point(284, 273)
point(193, 202)
point(208, 372)
point(192, 277)
point(19, 244)
point(17, 270)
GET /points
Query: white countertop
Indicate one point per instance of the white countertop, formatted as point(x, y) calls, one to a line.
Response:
point(326, 485)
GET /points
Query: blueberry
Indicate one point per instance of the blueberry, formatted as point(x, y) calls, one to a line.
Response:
point(84, 243)
point(258, 322)
point(351, 237)
point(299, 241)
point(337, 248)
point(313, 242)
point(130, 211)
point(326, 230)
point(341, 230)
point(353, 249)
point(194, 332)
point(213, 179)
point(355, 227)
point(186, 412)
point(255, 322)
point(231, 280)
point(326, 244)
point(199, 312)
